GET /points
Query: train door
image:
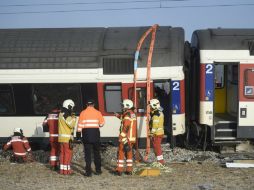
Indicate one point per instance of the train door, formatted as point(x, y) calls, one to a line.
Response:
point(162, 91)
point(127, 93)
point(245, 127)
point(225, 101)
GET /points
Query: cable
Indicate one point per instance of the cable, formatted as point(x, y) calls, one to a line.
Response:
point(122, 9)
point(89, 3)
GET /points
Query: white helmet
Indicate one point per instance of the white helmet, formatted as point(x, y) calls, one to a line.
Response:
point(154, 103)
point(68, 104)
point(127, 104)
point(18, 130)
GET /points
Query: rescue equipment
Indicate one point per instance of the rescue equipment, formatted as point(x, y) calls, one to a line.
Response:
point(148, 81)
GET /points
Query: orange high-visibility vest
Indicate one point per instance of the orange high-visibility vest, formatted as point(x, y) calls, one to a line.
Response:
point(90, 118)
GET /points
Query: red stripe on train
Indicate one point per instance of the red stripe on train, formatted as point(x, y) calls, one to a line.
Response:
point(202, 82)
point(182, 96)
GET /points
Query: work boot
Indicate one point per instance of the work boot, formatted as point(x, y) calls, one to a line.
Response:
point(87, 174)
point(53, 168)
point(99, 172)
point(117, 173)
point(128, 173)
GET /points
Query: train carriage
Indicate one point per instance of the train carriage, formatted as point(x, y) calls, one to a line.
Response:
point(39, 68)
point(222, 84)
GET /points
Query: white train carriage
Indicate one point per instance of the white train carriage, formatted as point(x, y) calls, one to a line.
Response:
point(222, 73)
point(39, 68)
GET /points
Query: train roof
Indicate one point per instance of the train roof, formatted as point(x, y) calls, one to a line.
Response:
point(49, 48)
point(223, 39)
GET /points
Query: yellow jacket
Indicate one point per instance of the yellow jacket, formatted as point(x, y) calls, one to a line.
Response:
point(66, 128)
point(157, 123)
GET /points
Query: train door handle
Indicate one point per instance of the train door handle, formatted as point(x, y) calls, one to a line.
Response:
point(243, 112)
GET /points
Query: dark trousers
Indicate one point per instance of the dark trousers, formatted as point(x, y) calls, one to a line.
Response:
point(88, 147)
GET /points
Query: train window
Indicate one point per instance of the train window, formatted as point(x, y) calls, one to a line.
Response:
point(219, 76)
point(117, 66)
point(48, 96)
point(251, 46)
point(6, 100)
point(249, 83)
point(113, 98)
point(141, 98)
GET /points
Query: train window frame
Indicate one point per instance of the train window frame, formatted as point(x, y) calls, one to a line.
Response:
point(248, 88)
point(10, 97)
point(234, 73)
point(139, 108)
point(106, 102)
point(46, 98)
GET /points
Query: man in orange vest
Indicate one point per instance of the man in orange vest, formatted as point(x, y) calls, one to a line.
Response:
point(90, 121)
point(66, 124)
point(127, 137)
point(19, 145)
point(51, 121)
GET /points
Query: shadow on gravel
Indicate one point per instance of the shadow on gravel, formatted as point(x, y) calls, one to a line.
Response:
point(78, 168)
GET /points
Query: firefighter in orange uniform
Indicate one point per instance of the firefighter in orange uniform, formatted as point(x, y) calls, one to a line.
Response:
point(19, 145)
point(127, 137)
point(66, 124)
point(90, 121)
point(51, 121)
point(157, 128)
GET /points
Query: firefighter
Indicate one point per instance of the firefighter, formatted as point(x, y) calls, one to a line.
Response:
point(157, 128)
point(90, 121)
point(51, 122)
point(19, 145)
point(66, 124)
point(127, 137)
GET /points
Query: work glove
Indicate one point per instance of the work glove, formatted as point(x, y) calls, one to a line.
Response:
point(78, 135)
point(71, 145)
point(126, 147)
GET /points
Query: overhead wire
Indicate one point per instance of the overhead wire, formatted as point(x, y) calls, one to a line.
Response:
point(159, 6)
point(90, 3)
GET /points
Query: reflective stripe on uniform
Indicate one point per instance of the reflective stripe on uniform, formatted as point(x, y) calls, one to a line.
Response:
point(90, 121)
point(129, 164)
point(158, 129)
point(52, 118)
point(18, 140)
point(53, 158)
point(53, 135)
point(160, 157)
point(64, 135)
point(65, 167)
point(91, 124)
point(19, 154)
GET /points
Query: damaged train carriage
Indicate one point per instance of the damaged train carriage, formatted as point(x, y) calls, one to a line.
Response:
point(39, 68)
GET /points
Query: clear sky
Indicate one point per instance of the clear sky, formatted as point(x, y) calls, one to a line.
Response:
point(189, 14)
